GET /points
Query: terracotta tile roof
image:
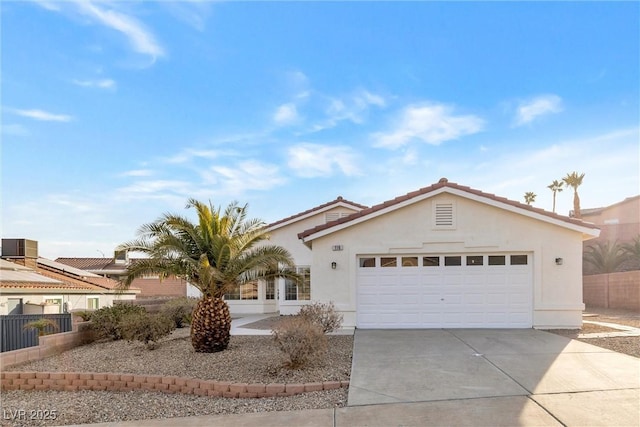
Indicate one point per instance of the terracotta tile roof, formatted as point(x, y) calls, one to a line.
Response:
point(441, 184)
point(67, 280)
point(86, 263)
point(597, 211)
point(48, 276)
point(339, 199)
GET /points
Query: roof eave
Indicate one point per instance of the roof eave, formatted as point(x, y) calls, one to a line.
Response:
point(308, 235)
point(312, 212)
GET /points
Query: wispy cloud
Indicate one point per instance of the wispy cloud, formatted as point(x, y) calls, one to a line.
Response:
point(190, 154)
point(49, 5)
point(100, 83)
point(43, 115)
point(14, 129)
point(192, 12)
point(428, 123)
point(286, 114)
point(141, 39)
point(137, 172)
point(244, 176)
point(315, 160)
point(160, 189)
point(531, 109)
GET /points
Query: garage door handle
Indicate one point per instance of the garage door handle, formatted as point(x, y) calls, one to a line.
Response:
point(441, 299)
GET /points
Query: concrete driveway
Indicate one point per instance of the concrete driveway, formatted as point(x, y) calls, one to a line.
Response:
point(490, 377)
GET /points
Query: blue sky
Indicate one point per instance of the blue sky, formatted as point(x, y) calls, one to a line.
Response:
point(115, 112)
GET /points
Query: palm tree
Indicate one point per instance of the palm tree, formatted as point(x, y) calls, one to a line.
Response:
point(43, 326)
point(574, 180)
point(529, 197)
point(632, 251)
point(556, 187)
point(217, 254)
point(604, 257)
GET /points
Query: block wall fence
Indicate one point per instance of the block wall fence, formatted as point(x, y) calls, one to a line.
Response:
point(614, 290)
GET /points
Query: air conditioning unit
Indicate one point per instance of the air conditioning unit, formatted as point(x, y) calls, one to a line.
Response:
point(19, 248)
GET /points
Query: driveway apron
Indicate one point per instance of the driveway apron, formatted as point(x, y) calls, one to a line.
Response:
point(567, 379)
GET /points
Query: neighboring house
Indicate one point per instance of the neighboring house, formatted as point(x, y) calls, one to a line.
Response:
point(115, 268)
point(618, 222)
point(449, 256)
point(33, 285)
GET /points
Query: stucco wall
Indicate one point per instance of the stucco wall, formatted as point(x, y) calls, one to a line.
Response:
point(287, 237)
point(557, 293)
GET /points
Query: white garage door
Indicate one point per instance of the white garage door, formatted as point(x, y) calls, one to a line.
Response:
point(445, 291)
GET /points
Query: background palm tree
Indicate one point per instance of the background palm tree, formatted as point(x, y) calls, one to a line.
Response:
point(556, 187)
point(605, 257)
point(217, 254)
point(574, 180)
point(632, 251)
point(529, 197)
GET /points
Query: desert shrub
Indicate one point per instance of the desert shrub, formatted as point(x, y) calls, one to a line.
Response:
point(323, 315)
point(41, 325)
point(302, 341)
point(106, 322)
point(179, 310)
point(85, 315)
point(145, 327)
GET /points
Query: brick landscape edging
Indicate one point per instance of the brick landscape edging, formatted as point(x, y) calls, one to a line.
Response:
point(75, 381)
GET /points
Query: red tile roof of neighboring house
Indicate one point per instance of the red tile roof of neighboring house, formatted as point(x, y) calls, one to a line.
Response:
point(441, 184)
point(86, 263)
point(597, 211)
point(339, 199)
point(50, 277)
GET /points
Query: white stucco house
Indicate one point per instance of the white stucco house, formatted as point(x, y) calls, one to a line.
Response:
point(444, 256)
point(285, 296)
point(449, 256)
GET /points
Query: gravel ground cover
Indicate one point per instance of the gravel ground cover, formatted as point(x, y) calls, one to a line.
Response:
point(249, 359)
point(626, 345)
point(103, 406)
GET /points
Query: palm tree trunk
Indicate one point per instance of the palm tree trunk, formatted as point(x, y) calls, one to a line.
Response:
point(576, 205)
point(554, 202)
point(210, 325)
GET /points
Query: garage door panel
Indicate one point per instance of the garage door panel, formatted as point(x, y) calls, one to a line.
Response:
point(435, 296)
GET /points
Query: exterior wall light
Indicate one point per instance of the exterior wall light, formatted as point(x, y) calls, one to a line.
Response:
point(334, 265)
point(559, 261)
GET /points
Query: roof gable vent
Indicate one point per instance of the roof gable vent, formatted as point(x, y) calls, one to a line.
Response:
point(444, 215)
point(332, 216)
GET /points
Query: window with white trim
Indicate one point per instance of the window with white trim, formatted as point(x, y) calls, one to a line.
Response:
point(299, 290)
point(270, 289)
point(248, 291)
point(93, 303)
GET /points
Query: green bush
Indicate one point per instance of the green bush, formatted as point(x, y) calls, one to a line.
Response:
point(85, 315)
point(41, 325)
point(106, 322)
point(146, 328)
point(179, 310)
point(323, 315)
point(302, 341)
